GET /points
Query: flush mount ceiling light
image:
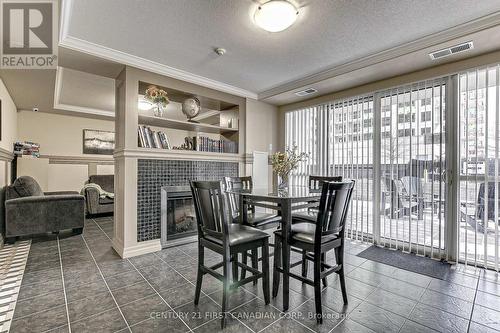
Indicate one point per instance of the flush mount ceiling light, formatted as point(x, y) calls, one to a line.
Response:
point(275, 15)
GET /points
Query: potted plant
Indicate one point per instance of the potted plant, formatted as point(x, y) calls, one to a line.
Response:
point(285, 162)
point(158, 97)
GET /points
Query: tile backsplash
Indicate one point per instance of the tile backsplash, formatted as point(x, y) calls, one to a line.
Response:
point(153, 174)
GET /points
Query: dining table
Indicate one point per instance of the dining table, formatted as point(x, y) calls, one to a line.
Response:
point(284, 201)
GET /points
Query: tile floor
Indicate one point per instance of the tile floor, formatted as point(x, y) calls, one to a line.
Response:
point(12, 262)
point(78, 284)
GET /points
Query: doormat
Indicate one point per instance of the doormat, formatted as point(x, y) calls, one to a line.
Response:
point(407, 261)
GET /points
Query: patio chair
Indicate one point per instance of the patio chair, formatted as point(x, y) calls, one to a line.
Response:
point(481, 202)
point(474, 212)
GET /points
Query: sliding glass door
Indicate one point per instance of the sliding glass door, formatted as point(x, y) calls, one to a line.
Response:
point(426, 160)
point(479, 150)
point(413, 162)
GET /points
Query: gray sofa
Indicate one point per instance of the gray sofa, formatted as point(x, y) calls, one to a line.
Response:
point(28, 210)
point(95, 204)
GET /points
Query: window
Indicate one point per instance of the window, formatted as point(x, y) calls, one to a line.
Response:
point(425, 130)
point(412, 147)
point(426, 116)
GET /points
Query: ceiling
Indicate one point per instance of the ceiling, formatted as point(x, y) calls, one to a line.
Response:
point(334, 45)
point(181, 35)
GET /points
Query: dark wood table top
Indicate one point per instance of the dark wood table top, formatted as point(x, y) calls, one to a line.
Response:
point(293, 193)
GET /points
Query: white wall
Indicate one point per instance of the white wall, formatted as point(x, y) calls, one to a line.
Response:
point(61, 136)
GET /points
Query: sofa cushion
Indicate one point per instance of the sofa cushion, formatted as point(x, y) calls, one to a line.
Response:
point(106, 182)
point(24, 186)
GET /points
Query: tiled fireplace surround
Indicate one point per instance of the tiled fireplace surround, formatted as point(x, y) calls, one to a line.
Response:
point(154, 174)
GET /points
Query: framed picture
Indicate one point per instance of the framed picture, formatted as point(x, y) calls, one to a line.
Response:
point(98, 142)
point(1, 120)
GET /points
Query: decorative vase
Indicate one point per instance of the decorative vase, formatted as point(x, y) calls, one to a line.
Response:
point(159, 111)
point(282, 183)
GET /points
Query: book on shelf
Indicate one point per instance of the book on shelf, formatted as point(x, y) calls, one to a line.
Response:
point(206, 144)
point(26, 148)
point(147, 138)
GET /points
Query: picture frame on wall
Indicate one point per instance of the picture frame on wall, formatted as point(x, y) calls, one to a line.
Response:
point(98, 142)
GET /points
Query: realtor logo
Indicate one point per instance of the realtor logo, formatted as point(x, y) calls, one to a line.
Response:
point(29, 34)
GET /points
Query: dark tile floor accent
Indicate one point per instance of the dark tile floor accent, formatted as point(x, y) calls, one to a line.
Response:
point(78, 284)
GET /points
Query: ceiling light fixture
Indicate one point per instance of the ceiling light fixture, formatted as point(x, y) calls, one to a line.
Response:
point(276, 15)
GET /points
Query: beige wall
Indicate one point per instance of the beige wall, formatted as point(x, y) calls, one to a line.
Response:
point(9, 119)
point(262, 126)
point(262, 130)
point(58, 134)
point(8, 123)
point(61, 137)
point(9, 132)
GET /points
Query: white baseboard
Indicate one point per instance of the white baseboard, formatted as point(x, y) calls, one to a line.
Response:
point(137, 249)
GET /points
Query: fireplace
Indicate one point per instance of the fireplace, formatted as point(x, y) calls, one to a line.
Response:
point(178, 218)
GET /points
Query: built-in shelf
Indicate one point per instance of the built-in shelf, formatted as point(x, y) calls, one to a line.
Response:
point(184, 125)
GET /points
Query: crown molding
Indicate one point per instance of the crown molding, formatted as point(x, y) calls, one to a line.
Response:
point(458, 31)
point(93, 49)
point(66, 8)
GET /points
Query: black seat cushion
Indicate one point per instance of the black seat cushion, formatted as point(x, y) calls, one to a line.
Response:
point(240, 234)
point(259, 219)
point(304, 232)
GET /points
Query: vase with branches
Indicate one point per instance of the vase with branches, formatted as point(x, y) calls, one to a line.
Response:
point(285, 162)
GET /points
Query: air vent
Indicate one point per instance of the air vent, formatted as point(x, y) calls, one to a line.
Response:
point(306, 92)
point(451, 50)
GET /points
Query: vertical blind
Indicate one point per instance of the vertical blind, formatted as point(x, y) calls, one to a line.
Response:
point(339, 138)
point(413, 212)
point(350, 145)
point(305, 129)
point(417, 150)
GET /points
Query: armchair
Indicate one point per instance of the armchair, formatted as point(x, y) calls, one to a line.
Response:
point(28, 210)
point(93, 201)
